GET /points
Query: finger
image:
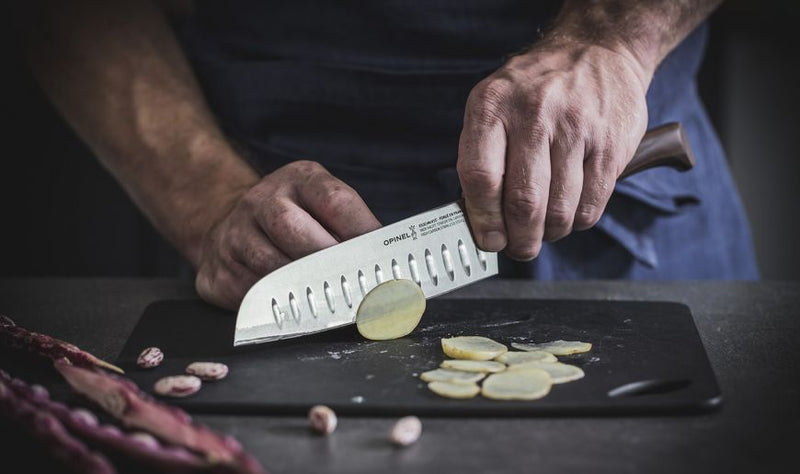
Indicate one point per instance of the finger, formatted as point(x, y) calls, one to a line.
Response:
point(293, 230)
point(336, 206)
point(257, 252)
point(599, 176)
point(526, 190)
point(481, 164)
point(566, 160)
point(224, 285)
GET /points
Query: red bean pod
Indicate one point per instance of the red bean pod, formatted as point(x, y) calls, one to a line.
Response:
point(18, 338)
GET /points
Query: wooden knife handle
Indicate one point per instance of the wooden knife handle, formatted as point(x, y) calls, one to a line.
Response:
point(666, 145)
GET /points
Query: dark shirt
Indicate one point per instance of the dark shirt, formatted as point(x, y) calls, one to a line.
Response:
point(375, 91)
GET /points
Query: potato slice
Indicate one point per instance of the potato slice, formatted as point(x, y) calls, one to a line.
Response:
point(472, 348)
point(514, 358)
point(474, 365)
point(522, 384)
point(452, 376)
point(558, 348)
point(391, 310)
point(560, 373)
point(454, 390)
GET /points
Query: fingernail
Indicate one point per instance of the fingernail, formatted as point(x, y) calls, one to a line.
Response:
point(494, 241)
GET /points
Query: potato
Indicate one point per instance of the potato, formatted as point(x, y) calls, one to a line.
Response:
point(514, 358)
point(452, 376)
point(522, 384)
point(474, 365)
point(555, 347)
point(391, 310)
point(472, 348)
point(454, 390)
point(560, 373)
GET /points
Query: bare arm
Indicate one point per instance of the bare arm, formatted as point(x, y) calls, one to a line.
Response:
point(118, 75)
point(546, 136)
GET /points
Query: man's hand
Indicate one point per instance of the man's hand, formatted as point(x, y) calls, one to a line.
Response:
point(118, 74)
point(290, 213)
point(545, 138)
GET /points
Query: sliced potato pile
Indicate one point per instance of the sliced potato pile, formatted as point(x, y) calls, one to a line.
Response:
point(474, 365)
point(472, 348)
point(526, 375)
point(558, 348)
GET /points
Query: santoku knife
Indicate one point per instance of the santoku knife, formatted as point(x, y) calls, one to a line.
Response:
point(435, 249)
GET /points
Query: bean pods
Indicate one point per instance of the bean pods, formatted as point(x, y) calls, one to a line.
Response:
point(122, 399)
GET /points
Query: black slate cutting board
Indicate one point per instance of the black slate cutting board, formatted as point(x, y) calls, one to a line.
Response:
point(647, 358)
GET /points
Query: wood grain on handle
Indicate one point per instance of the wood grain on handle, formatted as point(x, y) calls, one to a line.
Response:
point(666, 145)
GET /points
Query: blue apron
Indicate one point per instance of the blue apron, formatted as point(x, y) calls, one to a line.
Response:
point(375, 91)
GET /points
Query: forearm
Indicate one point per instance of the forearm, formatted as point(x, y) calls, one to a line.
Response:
point(118, 75)
point(647, 29)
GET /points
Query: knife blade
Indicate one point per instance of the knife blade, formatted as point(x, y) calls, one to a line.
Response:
point(435, 249)
point(323, 290)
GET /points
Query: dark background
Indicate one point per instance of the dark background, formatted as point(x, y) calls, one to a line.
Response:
point(61, 213)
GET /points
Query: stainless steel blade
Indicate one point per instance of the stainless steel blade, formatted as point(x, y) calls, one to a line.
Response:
point(323, 290)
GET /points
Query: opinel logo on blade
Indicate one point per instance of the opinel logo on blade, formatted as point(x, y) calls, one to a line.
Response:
point(399, 237)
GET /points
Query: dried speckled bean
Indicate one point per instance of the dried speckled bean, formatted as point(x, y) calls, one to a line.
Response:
point(406, 431)
point(208, 371)
point(177, 386)
point(149, 358)
point(322, 419)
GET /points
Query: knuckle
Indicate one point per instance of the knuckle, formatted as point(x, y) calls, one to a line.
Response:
point(559, 219)
point(212, 288)
point(252, 199)
point(492, 90)
point(231, 237)
point(485, 102)
point(284, 219)
point(476, 177)
point(588, 215)
point(522, 204)
point(305, 167)
point(336, 198)
point(260, 258)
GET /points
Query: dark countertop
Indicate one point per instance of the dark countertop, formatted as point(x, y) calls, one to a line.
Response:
point(751, 332)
